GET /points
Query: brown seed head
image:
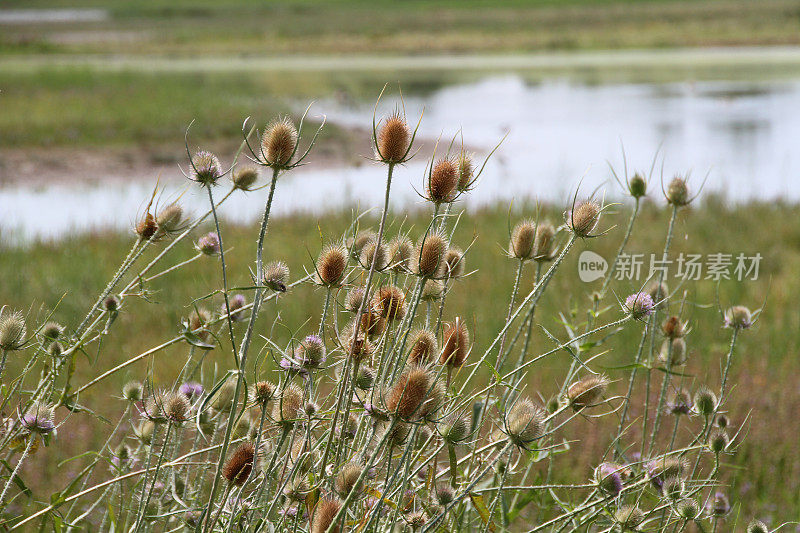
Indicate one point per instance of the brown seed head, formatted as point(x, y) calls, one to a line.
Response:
point(453, 264)
point(331, 265)
point(442, 181)
point(522, 240)
point(169, 220)
point(146, 227)
point(672, 327)
point(390, 302)
point(357, 345)
point(373, 251)
point(400, 250)
point(584, 218)
point(263, 392)
point(323, 514)
point(287, 407)
point(525, 422)
point(429, 254)
point(408, 394)
point(423, 347)
point(466, 171)
point(544, 248)
point(346, 479)
point(239, 465)
point(586, 392)
point(678, 192)
point(176, 407)
point(393, 139)
point(354, 298)
point(279, 142)
point(245, 177)
point(372, 323)
point(455, 346)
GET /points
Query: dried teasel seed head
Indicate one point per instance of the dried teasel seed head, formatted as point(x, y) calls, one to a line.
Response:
point(346, 479)
point(393, 139)
point(50, 331)
point(659, 292)
point(357, 243)
point(584, 218)
point(429, 254)
point(442, 181)
point(688, 509)
point(466, 171)
point(331, 265)
point(239, 465)
point(637, 185)
point(423, 347)
point(297, 489)
point(287, 407)
point(111, 304)
point(153, 407)
point(525, 422)
point(455, 344)
point(416, 520)
point(407, 395)
point(587, 392)
point(523, 236)
point(311, 352)
point(352, 301)
point(608, 477)
point(678, 192)
point(544, 246)
point(433, 290)
point(357, 345)
point(276, 276)
point(147, 227)
point(263, 392)
point(672, 327)
point(12, 331)
point(673, 351)
point(444, 494)
point(208, 244)
point(279, 142)
point(628, 517)
point(177, 407)
point(235, 303)
point(453, 264)
point(144, 432)
point(453, 429)
point(206, 168)
point(390, 302)
point(705, 401)
point(372, 251)
point(244, 178)
point(398, 434)
point(738, 317)
point(170, 219)
point(718, 441)
point(757, 526)
point(323, 514)
point(365, 377)
point(673, 488)
point(680, 403)
point(372, 323)
point(434, 402)
point(401, 250)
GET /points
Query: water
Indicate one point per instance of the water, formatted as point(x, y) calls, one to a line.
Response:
point(48, 16)
point(739, 137)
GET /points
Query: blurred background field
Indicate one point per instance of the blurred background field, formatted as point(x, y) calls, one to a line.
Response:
point(95, 98)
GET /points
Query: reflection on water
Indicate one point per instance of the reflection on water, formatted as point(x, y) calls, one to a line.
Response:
point(741, 134)
point(43, 16)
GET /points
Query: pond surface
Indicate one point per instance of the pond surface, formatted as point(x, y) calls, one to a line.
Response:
point(741, 137)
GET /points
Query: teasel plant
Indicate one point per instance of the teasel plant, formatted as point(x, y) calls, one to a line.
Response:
point(397, 410)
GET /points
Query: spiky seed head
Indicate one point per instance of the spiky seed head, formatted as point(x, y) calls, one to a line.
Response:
point(444, 494)
point(235, 304)
point(365, 378)
point(372, 323)
point(722, 421)
point(170, 219)
point(584, 218)
point(153, 407)
point(525, 422)
point(423, 347)
point(199, 318)
point(454, 429)
point(352, 301)
point(357, 243)
point(407, 395)
point(111, 304)
point(659, 292)
point(637, 185)
point(455, 346)
point(443, 181)
point(372, 251)
point(206, 168)
point(122, 454)
point(672, 327)
point(244, 178)
point(239, 465)
point(678, 192)
point(719, 505)
point(705, 401)
point(629, 517)
point(544, 246)
point(55, 349)
point(718, 441)
point(673, 351)
point(390, 302)
point(146, 227)
point(357, 345)
point(311, 352)
point(12, 331)
point(208, 244)
point(666, 467)
point(276, 276)
point(433, 290)
point(297, 489)
point(639, 305)
point(263, 392)
point(393, 139)
point(673, 488)
point(466, 171)
point(323, 514)
point(453, 264)
point(287, 407)
point(429, 253)
point(223, 397)
point(39, 418)
point(434, 402)
point(523, 237)
point(52, 331)
point(176, 407)
point(331, 265)
point(346, 479)
point(398, 434)
point(738, 317)
point(757, 526)
point(680, 403)
point(401, 250)
point(587, 392)
point(688, 509)
point(310, 409)
point(608, 478)
point(416, 520)
point(278, 143)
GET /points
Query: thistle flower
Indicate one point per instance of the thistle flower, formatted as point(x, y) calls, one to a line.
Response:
point(678, 192)
point(279, 143)
point(587, 392)
point(12, 331)
point(169, 220)
point(390, 302)
point(239, 465)
point(718, 441)
point(719, 505)
point(191, 389)
point(544, 246)
point(206, 168)
point(453, 264)
point(372, 251)
point(637, 185)
point(524, 422)
point(407, 395)
point(757, 526)
point(287, 407)
point(455, 346)
point(705, 401)
point(153, 408)
point(466, 171)
point(353, 299)
point(244, 178)
point(608, 478)
point(177, 407)
point(423, 347)
point(738, 317)
point(583, 218)
point(263, 392)
point(688, 509)
point(39, 418)
point(311, 352)
point(523, 237)
point(442, 181)
point(331, 265)
point(323, 514)
point(346, 479)
point(144, 432)
point(680, 403)
point(208, 244)
point(276, 275)
point(393, 139)
point(400, 250)
point(429, 254)
point(673, 351)
point(235, 304)
point(50, 331)
point(639, 305)
point(147, 227)
point(672, 327)
point(629, 517)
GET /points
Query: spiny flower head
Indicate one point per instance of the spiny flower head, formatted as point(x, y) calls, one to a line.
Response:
point(525, 422)
point(453, 264)
point(170, 220)
point(719, 505)
point(208, 244)
point(663, 468)
point(408, 394)
point(673, 351)
point(52, 331)
point(111, 304)
point(346, 479)
point(323, 514)
point(454, 429)
point(637, 185)
point(12, 331)
point(153, 408)
point(738, 317)
point(263, 392)
point(372, 323)
point(354, 298)
point(544, 246)
point(444, 494)
point(374, 252)
point(235, 304)
point(466, 171)
point(311, 352)
point(718, 441)
point(287, 407)
point(455, 346)
point(206, 168)
point(433, 290)
point(673, 488)
point(583, 218)
point(659, 292)
point(390, 302)
point(629, 517)
point(400, 251)
point(639, 305)
point(442, 181)
point(276, 276)
point(177, 407)
point(393, 139)
point(609, 478)
point(191, 389)
point(147, 227)
point(39, 418)
point(672, 327)
point(587, 392)
point(357, 345)
point(133, 391)
point(423, 347)
point(244, 178)
point(279, 143)
point(705, 401)
point(429, 253)
point(680, 403)
point(678, 192)
point(757, 526)
point(688, 509)
point(239, 465)
point(331, 265)
point(365, 378)
point(521, 244)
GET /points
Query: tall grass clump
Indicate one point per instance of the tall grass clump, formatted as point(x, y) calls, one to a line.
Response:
point(381, 416)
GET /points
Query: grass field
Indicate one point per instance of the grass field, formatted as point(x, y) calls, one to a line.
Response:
point(766, 466)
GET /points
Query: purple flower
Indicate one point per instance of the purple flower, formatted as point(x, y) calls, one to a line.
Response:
point(291, 366)
point(719, 506)
point(38, 419)
point(191, 389)
point(311, 352)
point(235, 304)
point(639, 305)
point(209, 244)
point(608, 478)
